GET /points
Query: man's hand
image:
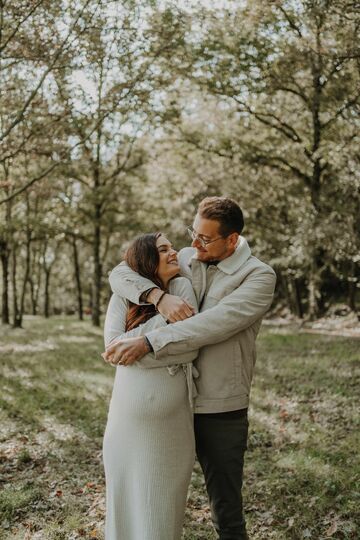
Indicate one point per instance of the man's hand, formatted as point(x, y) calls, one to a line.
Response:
point(126, 352)
point(171, 307)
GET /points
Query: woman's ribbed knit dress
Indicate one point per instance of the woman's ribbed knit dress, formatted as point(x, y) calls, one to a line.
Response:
point(149, 448)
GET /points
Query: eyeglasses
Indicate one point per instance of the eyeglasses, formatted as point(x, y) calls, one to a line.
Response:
point(201, 241)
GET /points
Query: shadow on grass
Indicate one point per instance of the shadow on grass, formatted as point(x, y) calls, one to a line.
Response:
point(300, 473)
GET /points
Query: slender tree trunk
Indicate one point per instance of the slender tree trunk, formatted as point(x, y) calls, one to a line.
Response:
point(47, 293)
point(19, 307)
point(284, 283)
point(97, 208)
point(32, 296)
point(352, 287)
point(314, 291)
point(296, 298)
point(32, 284)
point(26, 273)
point(5, 256)
point(97, 223)
point(17, 315)
point(37, 288)
point(91, 296)
point(299, 307)
point(5, 252)
point(97, 269)
point(49, 259)
point(316, 303)
point(78, 279)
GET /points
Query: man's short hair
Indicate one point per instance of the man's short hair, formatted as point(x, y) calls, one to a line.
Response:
point(224, 210)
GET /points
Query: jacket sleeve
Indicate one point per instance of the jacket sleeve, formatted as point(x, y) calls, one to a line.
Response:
point(128, 284)
point(181, 287)
point(235, 312)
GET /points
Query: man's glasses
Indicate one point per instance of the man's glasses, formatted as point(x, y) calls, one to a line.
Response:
point(201, 240)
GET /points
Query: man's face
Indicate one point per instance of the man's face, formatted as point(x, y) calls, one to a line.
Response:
point(219, 248)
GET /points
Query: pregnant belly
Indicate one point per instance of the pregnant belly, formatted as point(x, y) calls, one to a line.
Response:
point(148, 393)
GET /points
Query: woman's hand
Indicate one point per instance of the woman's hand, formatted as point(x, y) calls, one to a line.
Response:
point(173, 308)
point(126, 352)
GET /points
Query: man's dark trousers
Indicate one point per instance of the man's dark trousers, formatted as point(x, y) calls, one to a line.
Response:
point(221, 441)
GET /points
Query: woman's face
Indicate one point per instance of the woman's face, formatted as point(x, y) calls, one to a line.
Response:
point(168, 261)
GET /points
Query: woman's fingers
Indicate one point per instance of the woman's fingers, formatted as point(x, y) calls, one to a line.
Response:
point(126, 352)
point(174, 308)
point(189, 309)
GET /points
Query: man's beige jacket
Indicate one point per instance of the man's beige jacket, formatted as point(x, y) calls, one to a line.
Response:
point(233, 297)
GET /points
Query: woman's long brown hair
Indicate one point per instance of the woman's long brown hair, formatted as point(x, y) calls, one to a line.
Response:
point(143, 257)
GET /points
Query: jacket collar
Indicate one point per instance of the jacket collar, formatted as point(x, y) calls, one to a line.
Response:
point(231, 264)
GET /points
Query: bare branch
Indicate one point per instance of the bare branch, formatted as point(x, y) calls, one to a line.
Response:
point(291, 22)
point(30, 183)
point(32, 95)
point(277, 159)
point(341, 110)
point(16, 29)
point(121, 166)
point(189, 140)
point(280, 126)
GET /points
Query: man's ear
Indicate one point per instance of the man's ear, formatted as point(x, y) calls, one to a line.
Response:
point(233, 239)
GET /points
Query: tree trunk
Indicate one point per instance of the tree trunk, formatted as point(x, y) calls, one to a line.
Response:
point(97, 269)
point(37, 288)
point(296, 298)
point(352, 280)
point(5, 252)
point(91, 297)
point(32, 296)
point(17, 315)
point(47, 294)
point(78, 279)
point(5, 256)
point(299, 306)
point(284, 285)
point(26, 274)
point(97, 211)
point(316, 303)
point(314, 290)
point(33, 283)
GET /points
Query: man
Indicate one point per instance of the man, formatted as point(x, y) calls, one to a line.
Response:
point(234, 290)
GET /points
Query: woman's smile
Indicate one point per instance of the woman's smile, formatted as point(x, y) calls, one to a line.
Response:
point(168, 260)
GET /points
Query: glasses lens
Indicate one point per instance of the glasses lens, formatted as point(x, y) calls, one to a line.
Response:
point(194, 236)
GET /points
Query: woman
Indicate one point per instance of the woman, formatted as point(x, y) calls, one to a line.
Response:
point(149, 448)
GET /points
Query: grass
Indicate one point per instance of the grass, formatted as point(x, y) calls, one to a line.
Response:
point(301, 469)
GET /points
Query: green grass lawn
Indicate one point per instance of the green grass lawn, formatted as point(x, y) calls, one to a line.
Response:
point(302, 468)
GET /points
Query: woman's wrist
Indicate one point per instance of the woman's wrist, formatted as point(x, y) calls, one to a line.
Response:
point(153, 295)
point(149, 346)
point(161, 296)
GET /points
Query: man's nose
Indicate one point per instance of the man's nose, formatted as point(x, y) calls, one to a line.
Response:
point(195, 243)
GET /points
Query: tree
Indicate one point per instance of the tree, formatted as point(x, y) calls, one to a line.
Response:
point(290, 73)
point(121, 64)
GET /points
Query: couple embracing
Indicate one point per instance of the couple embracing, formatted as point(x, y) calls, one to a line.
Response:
point(181, 329)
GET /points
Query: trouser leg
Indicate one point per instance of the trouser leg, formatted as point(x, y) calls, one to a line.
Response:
point(221, 442)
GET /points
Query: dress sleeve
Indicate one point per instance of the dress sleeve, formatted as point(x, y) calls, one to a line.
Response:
point(115, 322)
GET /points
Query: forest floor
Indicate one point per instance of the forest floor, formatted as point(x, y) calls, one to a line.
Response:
point(301, 478)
